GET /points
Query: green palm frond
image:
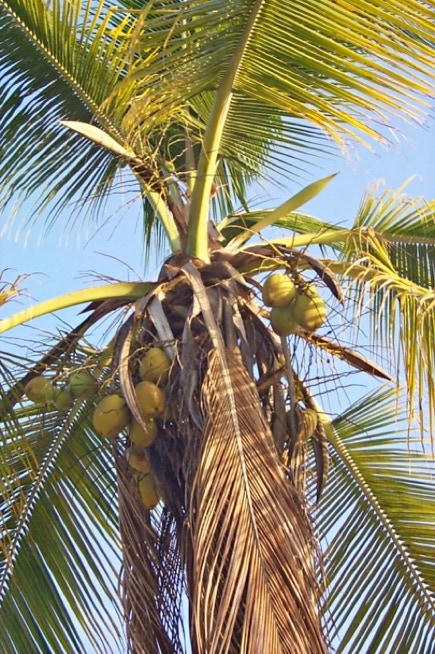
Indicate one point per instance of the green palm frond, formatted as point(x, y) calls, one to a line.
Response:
point(296, 221)
point(55, 63)
point(60, 543)
point(406, 226)
point(151, 78)
point(122, 292)
point(376, 519)
point(312, 71)
point(289, 82)
point(386, 261)
point(389, 260)
point(400, 316)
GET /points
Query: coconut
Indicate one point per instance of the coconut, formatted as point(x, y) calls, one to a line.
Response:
point(151, 399)
point(278, 290)
point(155, 366)
point(309, 311)
point(283, 321)
point(137, 459)
point(83, 385)
point(305, 421)
point(111, 416)
point(63, 398)
point(39, 390)
point(148, 492)
point(144, 437)
point(309, 290)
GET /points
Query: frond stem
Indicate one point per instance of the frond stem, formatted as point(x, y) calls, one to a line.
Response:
point(197, 241)
point(127, 290)
point(165, 218)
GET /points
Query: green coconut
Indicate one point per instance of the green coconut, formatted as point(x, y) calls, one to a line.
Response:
point(283, 321)
point(137, 459)
point(39, 390)
point(305, 421)
point(111, 416)
point(63, 398)
point(151, 399)
point(155, 366)
point(83, 385)
point(278, 290)
point(309, 311)
point(143, 437)
point(148, 492)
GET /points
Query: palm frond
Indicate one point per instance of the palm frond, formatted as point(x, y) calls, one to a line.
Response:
point(238, 456)
point(406, 226)
point(60, 541)
point(149, 75)
point(56, 62)
point(59, 535)
point(312, 72)
point(386, 259)
point(152, 576)
point(297, 222)
point(376, 518)
point(302, 197)
point(395, 291)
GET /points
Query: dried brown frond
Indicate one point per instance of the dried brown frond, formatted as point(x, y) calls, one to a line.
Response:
point(250, 589)
point(151, 578)
point(353, 358)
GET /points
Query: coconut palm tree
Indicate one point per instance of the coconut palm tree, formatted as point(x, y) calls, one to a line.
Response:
point(280, 529)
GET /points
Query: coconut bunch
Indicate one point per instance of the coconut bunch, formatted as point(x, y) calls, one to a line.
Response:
point(80, 385)
point(295, 304)
point(111, 415)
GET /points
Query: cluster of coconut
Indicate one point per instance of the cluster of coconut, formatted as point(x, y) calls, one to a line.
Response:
point(292, 306)
point(82, 385)
point(112, 415)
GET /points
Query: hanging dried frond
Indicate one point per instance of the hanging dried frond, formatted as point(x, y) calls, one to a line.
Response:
point(246, 588)
point(150, 582)
point(353, 358)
